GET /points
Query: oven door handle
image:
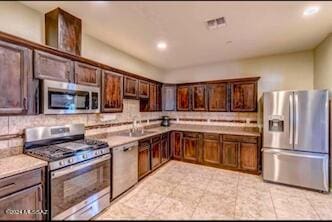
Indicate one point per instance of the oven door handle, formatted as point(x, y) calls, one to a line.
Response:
point(73, 168)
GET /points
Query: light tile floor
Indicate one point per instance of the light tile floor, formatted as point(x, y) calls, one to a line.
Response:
point(179, 191)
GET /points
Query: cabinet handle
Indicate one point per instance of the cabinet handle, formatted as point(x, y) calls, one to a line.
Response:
point(39, 194)
point(7, 186)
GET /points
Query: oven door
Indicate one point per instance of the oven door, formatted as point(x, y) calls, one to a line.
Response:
point(75, 187)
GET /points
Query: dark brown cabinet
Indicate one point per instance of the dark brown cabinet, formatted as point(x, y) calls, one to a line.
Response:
point(176, 145)
point(199, 98)
point(153, 97)
point(155, 152)
point(17, 93)
point(158, 98)
point(112, 92)
point(144, 89)
point(63, 31)
point(165, 151)
point(22, 191)
point(230, 154)
point(244, 96)
point(217, 94)
point(144, 166)
point(130, 88)
point(249, 156)
point(211, 149)
point(86, 74)
point(183, 98)
point(191, 147)
point(48, 66)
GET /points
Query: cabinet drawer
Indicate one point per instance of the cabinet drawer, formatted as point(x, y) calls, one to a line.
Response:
point(211, 136)
point(155, 139)
point(244, 139)
point(191, 135)
point(20, 181)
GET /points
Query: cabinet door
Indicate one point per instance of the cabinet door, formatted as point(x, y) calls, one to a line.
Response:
point(183, 98)
point(211, 149)
point(15, 77)
point(155, 155)
point(248, 156)
point(130, 88)
point(87, 75)
point(164, 150)
point(153, 97)
point(230, 154)
point(176, 145)
point(190, 149)
point(112, 92)
point(30, 198)
point(169, 98)
point(199, 98)
point(158, 98)
point(244, 96)
point(143, 160)
point(48, 66)
point(217, 94)
point(144, 89)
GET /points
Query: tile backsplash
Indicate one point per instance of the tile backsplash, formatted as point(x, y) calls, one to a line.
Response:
point(12, 127)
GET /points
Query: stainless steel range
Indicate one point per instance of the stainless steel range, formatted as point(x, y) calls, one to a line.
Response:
point(78, 179)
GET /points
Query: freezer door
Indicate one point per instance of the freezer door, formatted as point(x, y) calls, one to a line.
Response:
point(311, 124)
point(296, 168)
point(278, 120)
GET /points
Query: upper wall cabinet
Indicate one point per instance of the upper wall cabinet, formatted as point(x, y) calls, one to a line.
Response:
point(199, 98)
point(63, 31)
point(87, 75)
point(144, 90)
point(183, 98)
point(112, 92)
point(15, 78)
point(130, 88)
point(244, 96)
point(48, 66)
point(153, 97)
point(159, 98)
point(169, 97)
point(217, 94)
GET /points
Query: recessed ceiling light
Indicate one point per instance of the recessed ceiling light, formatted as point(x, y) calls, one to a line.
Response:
point(311, 10)
point(161, 45)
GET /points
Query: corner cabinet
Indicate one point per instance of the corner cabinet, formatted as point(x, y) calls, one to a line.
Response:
point(17, 94)
point(112, 92)
point(244, 96)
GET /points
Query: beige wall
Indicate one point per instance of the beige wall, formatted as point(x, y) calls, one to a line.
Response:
point(277, 72)
point(20, 20)
point(323, 64)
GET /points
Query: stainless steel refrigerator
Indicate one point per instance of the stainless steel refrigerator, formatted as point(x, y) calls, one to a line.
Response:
point(296, 138)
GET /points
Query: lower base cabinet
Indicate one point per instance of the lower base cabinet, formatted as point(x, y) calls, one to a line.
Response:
point(224, 151)
point(22, 192)
point(165, 151)
point(144, 166)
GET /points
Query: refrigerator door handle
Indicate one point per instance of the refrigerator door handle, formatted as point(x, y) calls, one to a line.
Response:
point(296, 129)
point(291, 119)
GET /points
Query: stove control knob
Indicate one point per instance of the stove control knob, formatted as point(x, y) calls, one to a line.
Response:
point(70, 160)
point(96, 153)
point(101, 151)
point(61, 163)
point(85, 156)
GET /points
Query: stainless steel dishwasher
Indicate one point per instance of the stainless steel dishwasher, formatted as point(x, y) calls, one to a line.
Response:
point(125, 168)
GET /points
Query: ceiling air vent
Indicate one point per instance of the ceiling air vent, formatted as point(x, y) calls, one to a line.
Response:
point(216, 23)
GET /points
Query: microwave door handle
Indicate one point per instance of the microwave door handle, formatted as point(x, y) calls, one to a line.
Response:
point(73, 168)
point(296, 111)
point(291, 119)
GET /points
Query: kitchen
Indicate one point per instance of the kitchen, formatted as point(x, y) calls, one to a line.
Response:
point(119, 111)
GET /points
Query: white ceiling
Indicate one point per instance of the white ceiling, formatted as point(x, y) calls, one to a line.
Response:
point(255, 28)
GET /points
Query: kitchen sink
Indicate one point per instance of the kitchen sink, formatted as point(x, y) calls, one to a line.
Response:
point(135, 134)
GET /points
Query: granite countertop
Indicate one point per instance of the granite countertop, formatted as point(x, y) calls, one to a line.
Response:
point(113, 139)
point(12, 165)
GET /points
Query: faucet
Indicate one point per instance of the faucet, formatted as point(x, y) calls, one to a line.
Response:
point(137, 124)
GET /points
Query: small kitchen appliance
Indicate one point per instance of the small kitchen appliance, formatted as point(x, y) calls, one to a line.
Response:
point(165, 121)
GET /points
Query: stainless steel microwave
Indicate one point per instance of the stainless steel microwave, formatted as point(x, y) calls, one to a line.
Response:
point(69, 98)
